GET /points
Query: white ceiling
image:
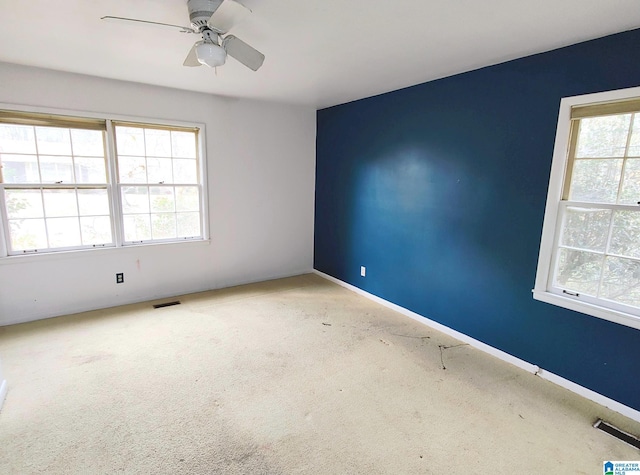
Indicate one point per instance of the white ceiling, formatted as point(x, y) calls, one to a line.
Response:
point(320, 53)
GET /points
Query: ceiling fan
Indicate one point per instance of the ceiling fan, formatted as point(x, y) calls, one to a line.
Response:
point(213, 19)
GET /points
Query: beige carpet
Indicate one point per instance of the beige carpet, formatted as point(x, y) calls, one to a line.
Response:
point(284, 377)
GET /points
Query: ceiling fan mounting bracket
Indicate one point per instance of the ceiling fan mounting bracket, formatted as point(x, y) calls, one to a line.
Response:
point(200, 11)
point(209, 35)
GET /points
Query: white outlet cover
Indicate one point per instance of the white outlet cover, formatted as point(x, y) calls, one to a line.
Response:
point(363, 271)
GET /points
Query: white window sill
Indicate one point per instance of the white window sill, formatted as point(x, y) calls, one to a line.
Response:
point(87, 253)
point(589, 309)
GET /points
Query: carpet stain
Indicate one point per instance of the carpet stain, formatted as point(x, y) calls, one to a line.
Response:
point(88, 359)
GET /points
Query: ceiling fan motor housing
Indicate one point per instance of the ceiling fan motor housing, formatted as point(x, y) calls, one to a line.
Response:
point(200, 12)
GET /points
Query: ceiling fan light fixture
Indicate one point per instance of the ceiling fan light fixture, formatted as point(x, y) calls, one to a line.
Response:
point(211, 54)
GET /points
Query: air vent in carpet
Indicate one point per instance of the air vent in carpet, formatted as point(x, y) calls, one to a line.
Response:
point(167, 304)
point(617, 433)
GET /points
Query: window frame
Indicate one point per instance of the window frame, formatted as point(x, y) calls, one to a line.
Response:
point(119, 185)
point(113, 183)
point(552, 224)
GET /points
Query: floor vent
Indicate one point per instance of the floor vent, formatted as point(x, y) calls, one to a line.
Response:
point(617, 433)
point(167, 304)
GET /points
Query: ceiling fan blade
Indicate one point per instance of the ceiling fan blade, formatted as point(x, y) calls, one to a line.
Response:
point(192, 58)
point(183, 29)
point(227, 15)
point(241, 51)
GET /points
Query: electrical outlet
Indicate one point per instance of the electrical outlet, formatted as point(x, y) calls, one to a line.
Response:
point(363, 271)
point(119, 277)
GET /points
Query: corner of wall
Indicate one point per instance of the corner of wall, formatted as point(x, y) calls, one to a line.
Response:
point(3, 388)
point(3, 392)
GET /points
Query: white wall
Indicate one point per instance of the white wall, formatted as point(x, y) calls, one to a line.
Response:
point(261, 179)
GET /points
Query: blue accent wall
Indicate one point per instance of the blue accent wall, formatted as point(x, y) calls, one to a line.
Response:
point(439, 190)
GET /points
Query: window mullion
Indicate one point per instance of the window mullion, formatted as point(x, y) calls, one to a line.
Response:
point(35, 137)
point(146, 173)
point(75, 189)
point(44, 212)
point(114, 185)
point(605, 254)
point(626, 156)
point(73, 159)
point(5, 237)
point(562, 207)
point(571, 157)
point(595, 205)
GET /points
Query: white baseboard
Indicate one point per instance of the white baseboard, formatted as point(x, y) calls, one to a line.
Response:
point(74, 309)
point(531, 368)
point(591, 395)
point(3, 392)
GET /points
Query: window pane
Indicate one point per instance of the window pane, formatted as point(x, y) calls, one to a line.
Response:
point(59, 203)
point(63, 232)
point(183, 144)
point(56, 169)
point(24, 203)
point(185, 171)
point(603, 136)
point(89, 143)
point(20, 168)
point(158, 143)
point(625, 237)
point(162, 199)
point(137, 227)
point(630, 192)
point(27, 234)
point(132, 169)
point(595, 180)
point(96, 230)
point(188, 224)
point(17, 139)
point(53, 141)
point(93, 202)
point(90, 170)
point(135, 199)
point(621, 282)
point(163, 225)
point(586, 228)
point(578, 271)
point(187, 198)
point(160, 170)
point(130, 141)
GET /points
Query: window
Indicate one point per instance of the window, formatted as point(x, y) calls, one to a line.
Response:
point(158, 183)
point(71, 183)
point(590, 250)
